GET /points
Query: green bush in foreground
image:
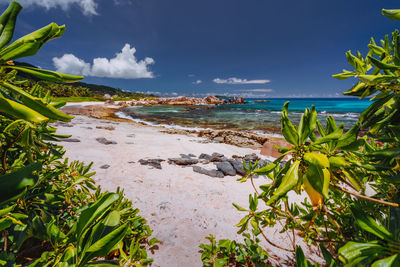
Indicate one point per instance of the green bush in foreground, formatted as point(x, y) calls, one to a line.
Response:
point(336, 170)
point(51, 213)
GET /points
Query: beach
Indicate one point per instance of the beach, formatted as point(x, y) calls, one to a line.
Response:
point(181, 206)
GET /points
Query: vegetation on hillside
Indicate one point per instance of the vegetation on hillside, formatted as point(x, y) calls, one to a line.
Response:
point(75, 91)
point(51, 212)
point(352, 179)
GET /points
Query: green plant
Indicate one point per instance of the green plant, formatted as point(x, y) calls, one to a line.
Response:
point(51, 212)
point(335, 169)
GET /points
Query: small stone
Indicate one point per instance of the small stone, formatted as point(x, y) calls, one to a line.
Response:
point(183, 161)
point(129, 143)
point(86, 127)
point(104, 141)
point(131, 135)
point(212, 173)
point(156, 163)
point(218, 155)
point(105, 166)
point(130, 162)
point(251, 157)
point(110, 128)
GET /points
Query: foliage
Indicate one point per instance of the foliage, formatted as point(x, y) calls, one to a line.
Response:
point(51, 212)
point(351, 178)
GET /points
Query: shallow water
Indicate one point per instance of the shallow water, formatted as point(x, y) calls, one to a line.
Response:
point(264, 117)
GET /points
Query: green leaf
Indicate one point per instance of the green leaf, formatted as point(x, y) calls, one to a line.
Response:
point(38, 104)
point(12, 184)
point(357, 90)
point(301, 260)
point(353, 179)
point(381, 65)
point(288, 182)
point(20, 111)
point(266, 169)
point(103, 246)
point(376, 50)
point(353, 252)
point(89, 215)
point(344, 75)
point(318, 178)
point(288, 130)
point(30, 44)
point(393, 14)
point(316, 159)
point(239, 208)
point(349, 137)
point(333, 136)
point(394, 222)
point(367, 223)
point(330, 261)
point(7, 22)
point(48, 75)
point(221, 262)
point(392, 261)
point(337, 162)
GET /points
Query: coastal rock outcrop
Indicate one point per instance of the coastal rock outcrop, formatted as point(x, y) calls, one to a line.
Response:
point(238, 138)
point(180, 100)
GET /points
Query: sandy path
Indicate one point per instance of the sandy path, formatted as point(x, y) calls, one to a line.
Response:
point(181, 206)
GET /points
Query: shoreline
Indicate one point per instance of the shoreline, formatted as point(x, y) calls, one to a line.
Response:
point(182, 206)
point(243, 138)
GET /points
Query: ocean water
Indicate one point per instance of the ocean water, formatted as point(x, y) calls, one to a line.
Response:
point(256, 116)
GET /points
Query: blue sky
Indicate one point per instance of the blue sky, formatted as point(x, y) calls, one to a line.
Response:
point(182, 47)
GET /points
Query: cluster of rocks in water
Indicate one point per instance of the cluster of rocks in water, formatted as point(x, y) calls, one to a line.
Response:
point(222, 166)
point(180, 100)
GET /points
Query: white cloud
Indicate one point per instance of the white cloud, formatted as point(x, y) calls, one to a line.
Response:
point(191, 75)
point(88, 6)
point(234, 80)
point(124, 65)
point(197, 82)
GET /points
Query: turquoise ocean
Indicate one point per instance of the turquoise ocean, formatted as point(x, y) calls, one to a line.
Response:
point(256, 116)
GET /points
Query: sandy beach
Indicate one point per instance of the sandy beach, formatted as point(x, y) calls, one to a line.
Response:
point(182, 207)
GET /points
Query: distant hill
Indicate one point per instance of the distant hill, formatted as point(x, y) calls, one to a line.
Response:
point(85, 89)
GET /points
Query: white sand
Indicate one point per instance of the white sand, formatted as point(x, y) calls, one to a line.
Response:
point(181, 206)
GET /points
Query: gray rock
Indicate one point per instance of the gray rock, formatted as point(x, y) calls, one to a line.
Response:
point(212, 173)
point(105, 166)
point(183, 161)
point(129, 143)
point(251, 157)
point(156, 163)
point(218, 155)
point(70, 140)
point(188, 156)
point(215, 157)
point(86, 127)
point(104, 141)
point(130, 162)
point(131, 135)
point(237, 164)
point(226, 168)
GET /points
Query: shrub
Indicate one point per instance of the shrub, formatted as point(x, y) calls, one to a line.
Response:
point(335, 168)
point(51, 212)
